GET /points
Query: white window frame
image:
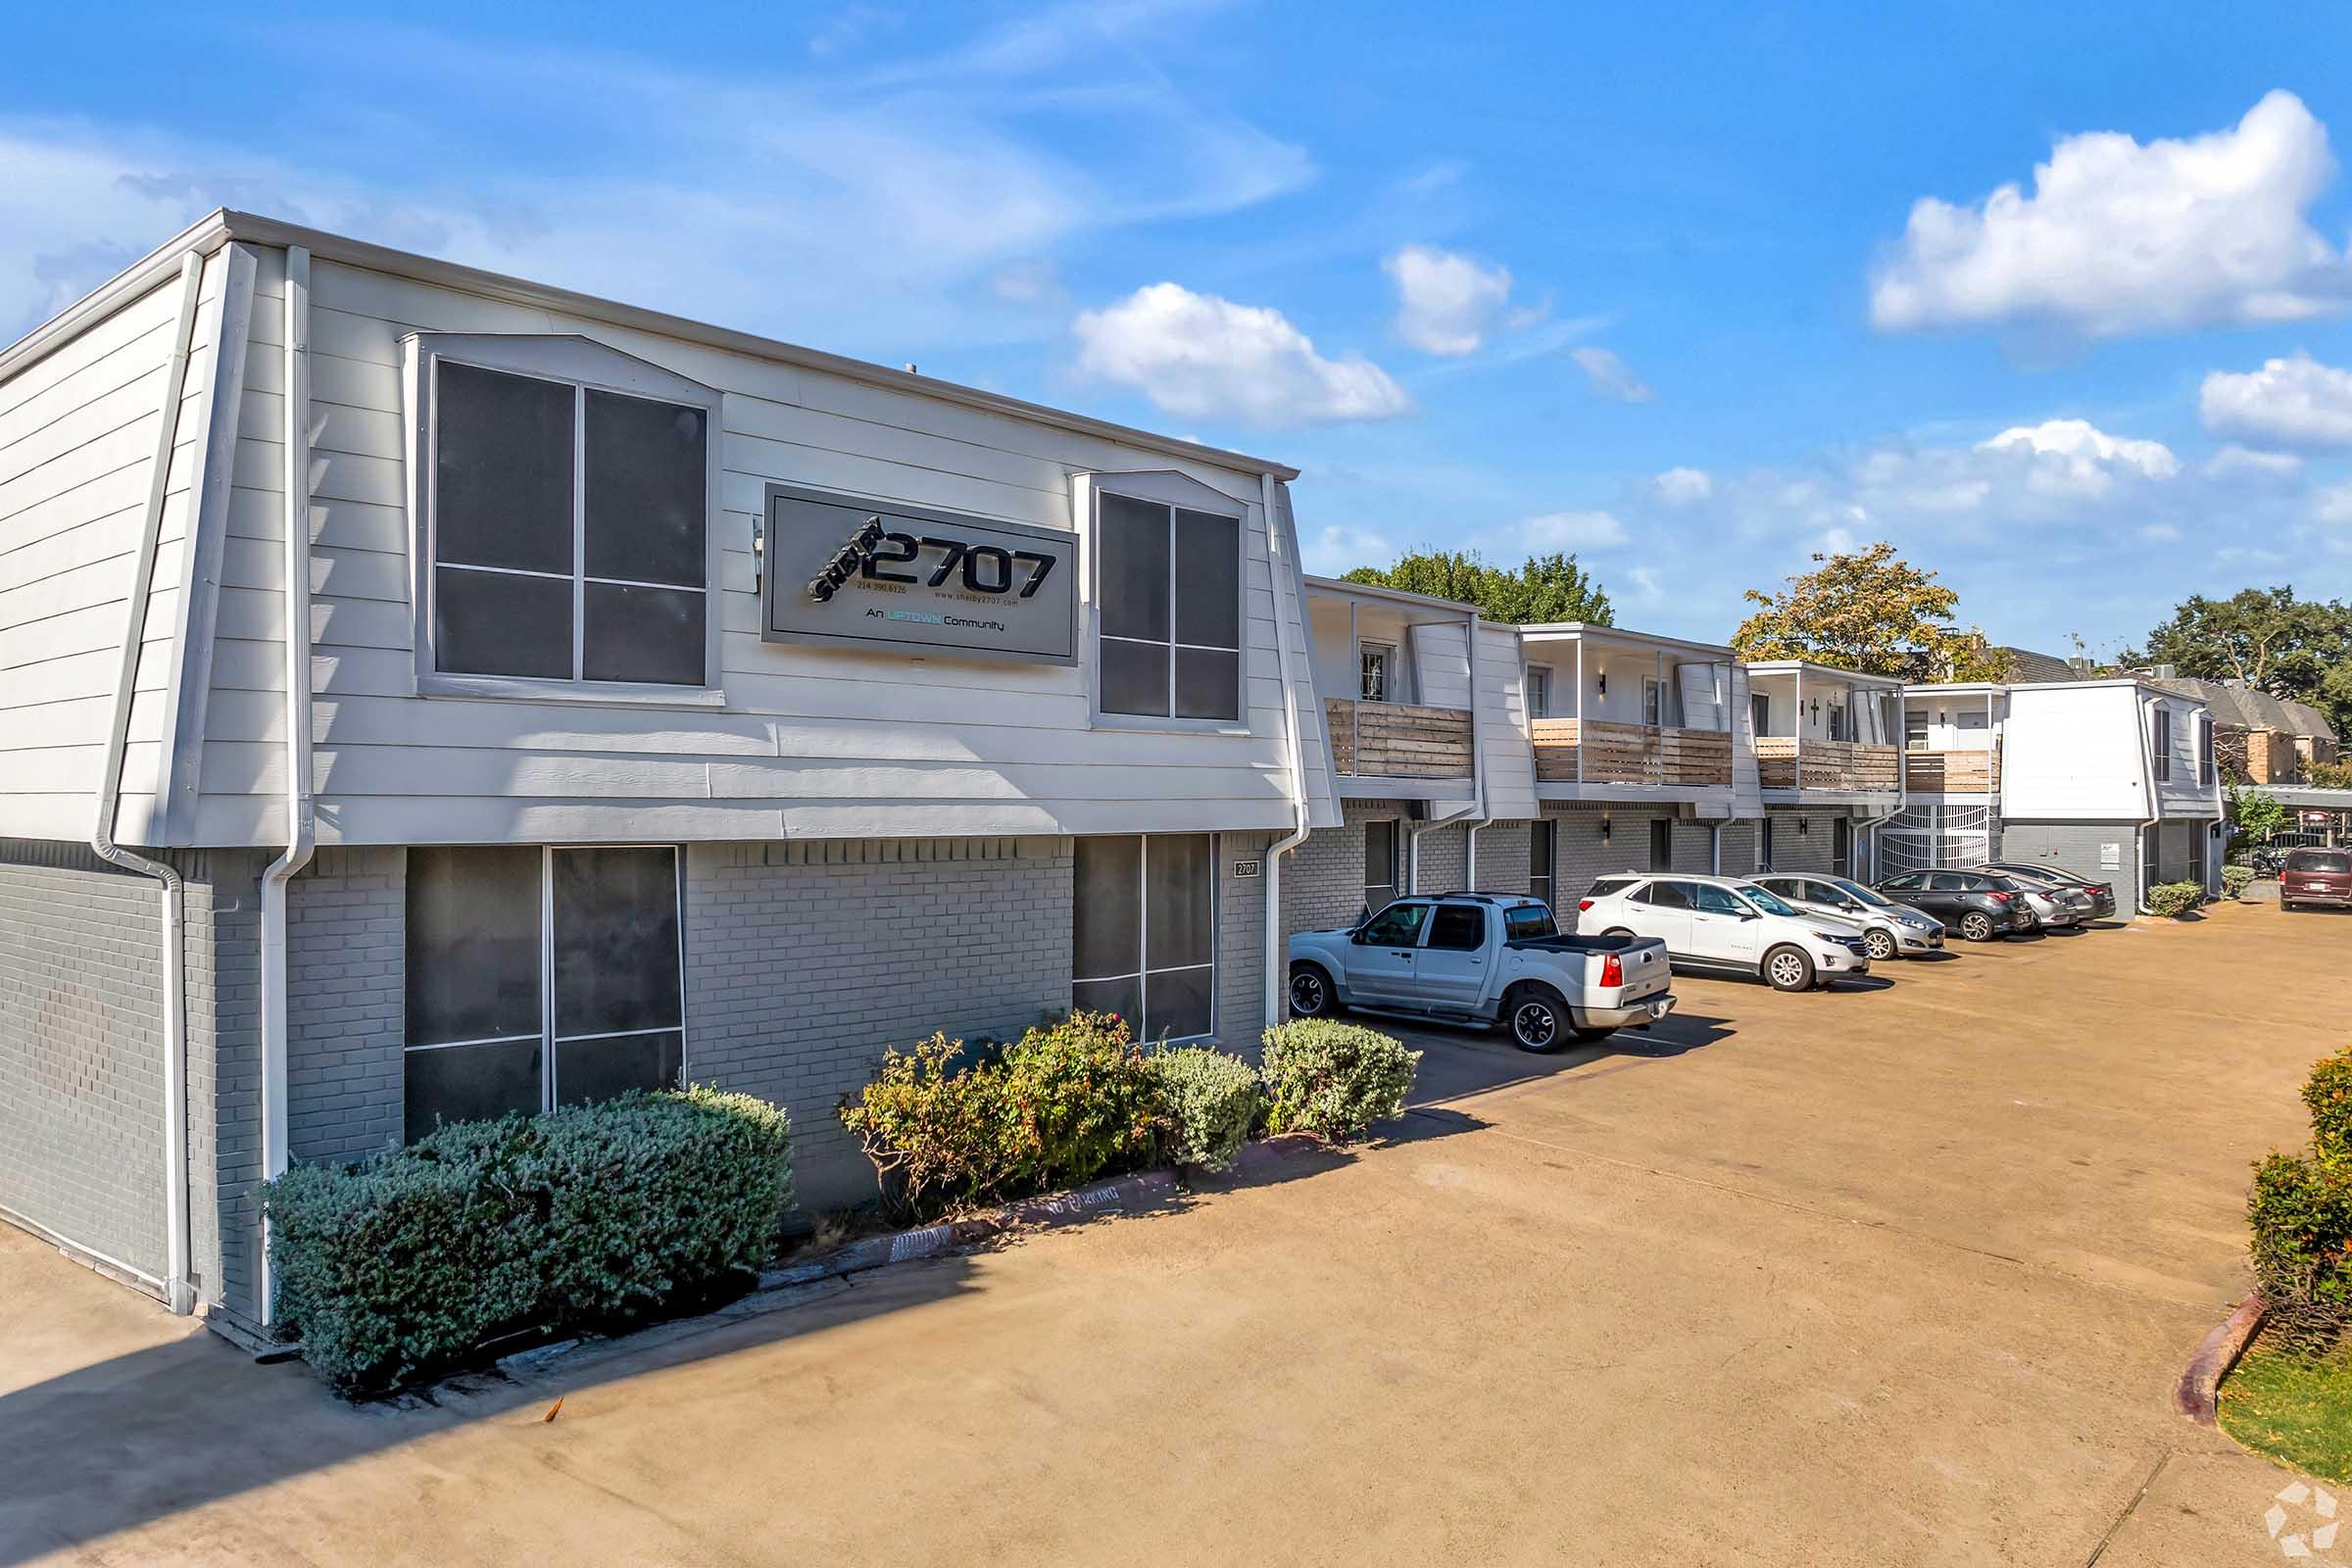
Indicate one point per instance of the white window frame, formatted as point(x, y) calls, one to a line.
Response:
point(1395, 881)
point(1538, 680)
point(588, 367)
point(1369, 652)
point(1164, 488)
point(1653, 703)
point(2162, 748)
point(1142, 937)
point(547, 1036)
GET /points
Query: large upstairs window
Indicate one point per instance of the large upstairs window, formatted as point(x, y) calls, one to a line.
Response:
point(1168, 612)
point(567, 510)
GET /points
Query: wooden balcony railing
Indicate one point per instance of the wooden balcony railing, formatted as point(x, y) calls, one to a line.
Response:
point(1842, 765)
point(1628, 753)
point(1391, 740)
point(1971, 772)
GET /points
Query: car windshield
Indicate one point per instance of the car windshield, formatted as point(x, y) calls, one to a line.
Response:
point(1528, 921)
point(2333, 864)
point(1763, 900)
point(1869, 895)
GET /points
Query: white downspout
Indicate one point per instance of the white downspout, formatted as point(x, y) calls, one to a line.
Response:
point(172, 980)
point(1282, 574)
point(1478, 770)
point(2148, 781)
point(301, 821)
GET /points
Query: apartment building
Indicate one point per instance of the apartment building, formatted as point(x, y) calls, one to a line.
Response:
point(1828, 762)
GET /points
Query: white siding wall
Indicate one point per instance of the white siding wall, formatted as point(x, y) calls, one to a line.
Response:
point(79, 429)
point(1505, 756)
point(2074, 752)
point(2184, 794)
point(1440, 660)
point(813, 742)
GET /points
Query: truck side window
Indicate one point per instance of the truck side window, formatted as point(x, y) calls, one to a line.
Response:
point(1461, 927)
point(1397, 926)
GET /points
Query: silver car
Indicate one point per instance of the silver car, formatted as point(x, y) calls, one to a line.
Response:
point(2055, 906)
point(1889, 929)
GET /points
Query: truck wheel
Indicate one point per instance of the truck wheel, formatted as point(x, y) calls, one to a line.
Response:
point(1310, 991)
point(1977, 926)
point(1788, 969)
point(1537, 1020)
point(1881, 945)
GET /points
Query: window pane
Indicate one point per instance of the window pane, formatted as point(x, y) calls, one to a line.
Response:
point(1398, 926)
point(472, 943)
point(1134, 677)
point(1108, 902)
point(466, 1083)
point(1458, 927)
point(1135, 570)
point(648, 634)
point(646, 491)
point(1182, 894)
point(599, 1069)
point(1208, 685)
point(502, 470)
point(1122, 997)
point(1177, 1002)
point(495, 624)
point(1208, 579)
point(615, 941)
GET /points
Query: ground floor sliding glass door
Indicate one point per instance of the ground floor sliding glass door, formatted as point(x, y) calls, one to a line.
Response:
point(539, 977)
point(1145, 939)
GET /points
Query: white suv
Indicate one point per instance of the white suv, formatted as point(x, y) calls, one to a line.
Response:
point(1723, 922)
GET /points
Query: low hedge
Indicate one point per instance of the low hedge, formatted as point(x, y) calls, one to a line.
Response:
point(2172, 899)
point(587, 1215)
point(1212, 1100)
point(945, 1127)
point(1335, 1079)
point(2299, 1214)
point(2236, 879)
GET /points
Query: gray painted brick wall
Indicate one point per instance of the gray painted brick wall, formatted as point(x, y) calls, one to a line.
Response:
point(2077, 847)
point(81, 1082)
point(1323, 879)
point(346, 1002)
point(1502, 862)
point(224, 1073)
point(1444, 860)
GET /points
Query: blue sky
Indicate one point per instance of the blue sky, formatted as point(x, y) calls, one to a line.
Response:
point(2055, 298)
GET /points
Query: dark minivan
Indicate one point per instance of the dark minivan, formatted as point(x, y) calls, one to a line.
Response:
point(1975, 903)
point(2316, 878)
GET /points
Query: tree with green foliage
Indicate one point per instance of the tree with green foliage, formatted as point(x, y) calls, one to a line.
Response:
point(2266, 638)
point(1547, 589)
point(2257, 815)
point(1869, 611)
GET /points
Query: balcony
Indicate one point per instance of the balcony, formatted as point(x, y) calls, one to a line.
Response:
point(1394, 740)
point(1572, 751)
point(1845, 768)
point(1959, 772)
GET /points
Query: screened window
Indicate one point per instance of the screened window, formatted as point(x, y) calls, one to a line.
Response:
point(1144, 941)
point(538, 977)
point(1541, 839)
point(2204, 749)
point(1169, 587)
point(1380, 866)
point(1654, 701)
point(2163, 745)
point(566, 523)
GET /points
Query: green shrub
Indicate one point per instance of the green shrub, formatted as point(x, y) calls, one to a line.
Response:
point(1211, 1099)
point(2331, 775)
point(586, 1215)
point(2300, 1214)
point(2172, 899)
point(2236, 879)
point(2328, 1094)
point(1058, 1107)
point(1332, 1079)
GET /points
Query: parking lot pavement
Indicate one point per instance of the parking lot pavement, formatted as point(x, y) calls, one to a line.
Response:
point(1889, 1275)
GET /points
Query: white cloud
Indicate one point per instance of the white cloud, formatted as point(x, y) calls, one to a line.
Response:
point(1202, 357)
point(1683, 487)
point(1573, 530)
point(2074, 457)
point(2289, 403)
point(1645, 581)
point(1610, 375)
point(2247, 467)
point(2121, 236)
point(1338, 549)
point(2333, 506)
point(1446, 302)
point(2159, 534)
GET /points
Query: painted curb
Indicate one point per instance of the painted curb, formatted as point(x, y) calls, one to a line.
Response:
point(929, 1241)
point(2201, 1383)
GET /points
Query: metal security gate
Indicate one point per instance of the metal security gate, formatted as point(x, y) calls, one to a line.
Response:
point(1919, 838)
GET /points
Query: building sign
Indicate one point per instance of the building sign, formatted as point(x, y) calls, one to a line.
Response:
point(881, 575)
point(2111, 857)
point(1248, 868)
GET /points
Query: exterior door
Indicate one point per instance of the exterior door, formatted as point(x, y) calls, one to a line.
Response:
point(1661, 844)
point(1380, 969)
point(1842, 845)
point(1723, 930)
point(1542, 838)
point(1450, 969)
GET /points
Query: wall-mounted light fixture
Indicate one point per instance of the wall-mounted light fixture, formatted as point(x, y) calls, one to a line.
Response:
point(1805, 826)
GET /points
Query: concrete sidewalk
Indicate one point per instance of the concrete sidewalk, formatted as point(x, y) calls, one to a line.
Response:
point(1901, 1275)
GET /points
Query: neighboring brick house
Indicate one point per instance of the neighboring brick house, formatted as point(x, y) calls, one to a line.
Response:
point(2259, 738)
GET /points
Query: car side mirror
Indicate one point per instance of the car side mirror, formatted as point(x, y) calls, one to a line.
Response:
point(1357, 936)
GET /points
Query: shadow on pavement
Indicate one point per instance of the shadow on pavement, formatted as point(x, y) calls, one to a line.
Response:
point(1460, 1062)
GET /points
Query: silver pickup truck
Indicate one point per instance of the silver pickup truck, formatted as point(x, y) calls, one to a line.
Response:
point(1477, 958)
